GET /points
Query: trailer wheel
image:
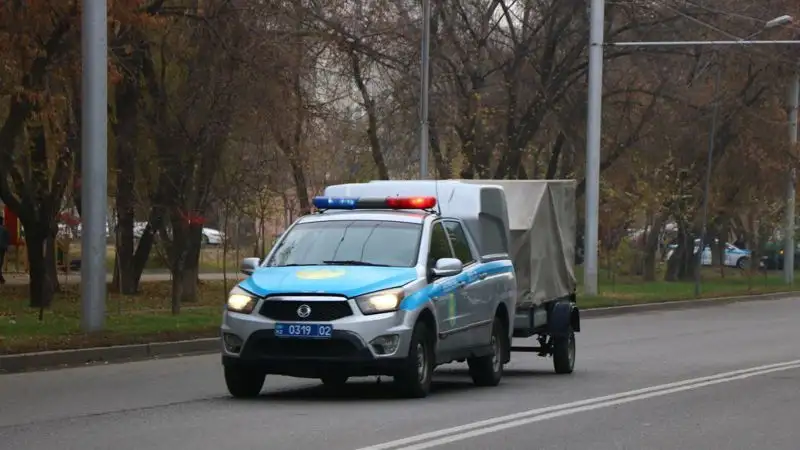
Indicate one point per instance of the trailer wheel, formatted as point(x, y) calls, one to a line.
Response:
point(564, 352)
point(488, 370)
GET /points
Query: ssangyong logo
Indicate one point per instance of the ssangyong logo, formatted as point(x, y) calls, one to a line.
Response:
point(303, 311)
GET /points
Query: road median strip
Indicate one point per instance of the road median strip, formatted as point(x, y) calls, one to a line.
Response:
point(119, 353)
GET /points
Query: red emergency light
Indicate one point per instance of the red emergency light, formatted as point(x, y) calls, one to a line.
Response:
point(411, 202)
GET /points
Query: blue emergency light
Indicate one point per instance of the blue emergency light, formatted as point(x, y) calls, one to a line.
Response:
point(374, 203)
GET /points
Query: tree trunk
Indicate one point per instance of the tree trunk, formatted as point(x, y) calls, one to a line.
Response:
point(651, 247)
point(143, 250)
point(177, 292)
point(191, 267)
point(155, 222)
point(184, 262)
point(177, 261)
point(41, 282)
point(125, 279)
point(189, 285)
point(681, 266)
point(51, 262)
point(125, 128)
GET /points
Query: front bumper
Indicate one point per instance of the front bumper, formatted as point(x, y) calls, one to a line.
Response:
point(343, 354)
point(349, 351)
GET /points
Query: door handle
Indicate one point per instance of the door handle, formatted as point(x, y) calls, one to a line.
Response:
point(483, 275)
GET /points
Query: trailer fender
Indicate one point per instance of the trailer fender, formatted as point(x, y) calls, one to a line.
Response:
point(563, 316)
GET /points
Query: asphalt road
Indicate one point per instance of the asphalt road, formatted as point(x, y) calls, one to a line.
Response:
point(724, 377)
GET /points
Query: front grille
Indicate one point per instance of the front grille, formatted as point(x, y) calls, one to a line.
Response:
point(300, 348)
point(321, 311)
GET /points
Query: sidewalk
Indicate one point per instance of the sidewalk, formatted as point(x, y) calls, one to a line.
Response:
point(17, 279)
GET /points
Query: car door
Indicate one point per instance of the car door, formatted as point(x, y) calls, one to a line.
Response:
point(446, 292)
point(474, 300)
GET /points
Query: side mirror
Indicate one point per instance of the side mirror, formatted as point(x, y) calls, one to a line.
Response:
point(249, 265)
point(447, 267)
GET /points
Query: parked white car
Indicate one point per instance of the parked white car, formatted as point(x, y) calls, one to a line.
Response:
point(210, 235)
point(734, 256)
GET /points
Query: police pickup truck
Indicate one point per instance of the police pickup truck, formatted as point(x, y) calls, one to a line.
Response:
point(395, 278)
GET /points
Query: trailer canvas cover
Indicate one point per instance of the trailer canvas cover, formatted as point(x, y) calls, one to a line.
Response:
point(542, 227)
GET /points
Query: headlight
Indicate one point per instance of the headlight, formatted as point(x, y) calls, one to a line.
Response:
point(241, 303)
point(380, 302)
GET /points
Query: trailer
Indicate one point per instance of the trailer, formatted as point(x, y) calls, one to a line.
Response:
point(541, 227)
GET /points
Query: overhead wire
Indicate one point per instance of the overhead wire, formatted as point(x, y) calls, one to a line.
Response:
point(779, 56)
point(738, 15)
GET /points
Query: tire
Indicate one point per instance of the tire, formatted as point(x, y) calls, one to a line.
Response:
point(204, 240)
point(334, 380)
point(414, 378)
point(564, 352)
point(743, 262)
point(488, 370)
point(243, 382)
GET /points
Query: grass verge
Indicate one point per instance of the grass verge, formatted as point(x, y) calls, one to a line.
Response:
point(213, 258)
point(626, 290)
point(129, 320)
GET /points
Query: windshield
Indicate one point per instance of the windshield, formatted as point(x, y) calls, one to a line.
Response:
point(349, 242)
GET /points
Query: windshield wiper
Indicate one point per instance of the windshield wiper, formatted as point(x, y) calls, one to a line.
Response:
point(351, 262)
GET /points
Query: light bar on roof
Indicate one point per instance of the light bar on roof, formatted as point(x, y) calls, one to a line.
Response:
point(374, 203)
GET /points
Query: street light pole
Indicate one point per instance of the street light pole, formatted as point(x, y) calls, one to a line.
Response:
point(707, 183)
point(789, 250)
point(424, 89)
point(94, 158)
point(593, 141)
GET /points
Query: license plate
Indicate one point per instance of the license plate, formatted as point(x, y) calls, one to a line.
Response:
point(304, 330)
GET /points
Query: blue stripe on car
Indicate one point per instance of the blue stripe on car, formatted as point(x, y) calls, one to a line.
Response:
point(470, 275)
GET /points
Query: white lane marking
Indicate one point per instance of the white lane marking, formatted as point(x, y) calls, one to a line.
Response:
point(565, 412)
point(477, 428)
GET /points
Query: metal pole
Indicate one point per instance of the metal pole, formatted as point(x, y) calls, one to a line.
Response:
point(94, 160)
point(707, 184)
point(788, 250)
point(424, 89)
point(594, 122)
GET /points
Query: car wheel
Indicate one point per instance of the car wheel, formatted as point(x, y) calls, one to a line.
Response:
point(414, 378)
point(564, 352)
point(244, 382)
point(743, 262)
point(488, 370)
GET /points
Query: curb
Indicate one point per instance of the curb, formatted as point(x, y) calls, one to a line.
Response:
point(124, 353)
point(121, 353)
point(609, 311)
